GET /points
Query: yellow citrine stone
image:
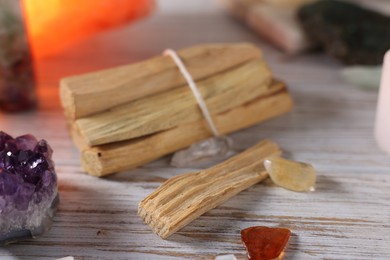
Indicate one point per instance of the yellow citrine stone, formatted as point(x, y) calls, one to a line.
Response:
point(291, 175)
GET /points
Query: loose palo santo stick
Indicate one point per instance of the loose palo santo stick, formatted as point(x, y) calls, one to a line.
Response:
point(183, 198)
point(91, 93)
point(107, 159)
point(163, 111)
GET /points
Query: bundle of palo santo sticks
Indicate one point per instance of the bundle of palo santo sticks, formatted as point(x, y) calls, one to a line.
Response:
point(124, 117)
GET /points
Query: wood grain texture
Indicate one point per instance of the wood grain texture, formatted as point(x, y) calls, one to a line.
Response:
point(221, 92)
point(108, 159)
point(185, 197)
point(330, 127)
point(94, 92)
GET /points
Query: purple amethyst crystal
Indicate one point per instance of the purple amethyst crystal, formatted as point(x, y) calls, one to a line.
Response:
point(28, 187)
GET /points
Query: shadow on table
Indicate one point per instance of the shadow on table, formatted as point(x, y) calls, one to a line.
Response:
point(94, 217)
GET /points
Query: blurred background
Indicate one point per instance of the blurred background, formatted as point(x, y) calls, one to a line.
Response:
point(329, 54)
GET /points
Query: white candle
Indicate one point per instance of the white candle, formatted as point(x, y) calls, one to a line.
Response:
point(382, 127)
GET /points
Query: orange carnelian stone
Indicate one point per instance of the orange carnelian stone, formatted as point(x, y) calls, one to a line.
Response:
point(54, 25)
point(264, 243)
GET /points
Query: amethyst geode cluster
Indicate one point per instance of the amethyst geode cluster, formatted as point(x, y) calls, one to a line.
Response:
point(28, 187)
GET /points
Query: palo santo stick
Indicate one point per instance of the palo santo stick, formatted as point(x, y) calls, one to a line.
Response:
point(88, 94)
point(183, 198)
point(107, 159)
point(163, 111)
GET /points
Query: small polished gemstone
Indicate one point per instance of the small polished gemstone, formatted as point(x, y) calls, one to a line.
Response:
point(264, 243)
point(28, 187)
point(291, 175)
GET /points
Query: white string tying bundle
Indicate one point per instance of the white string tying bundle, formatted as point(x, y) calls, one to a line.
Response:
point(191, 83)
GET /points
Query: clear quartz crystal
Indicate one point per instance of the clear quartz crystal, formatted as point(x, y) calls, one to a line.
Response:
point(226, 257)
point(202, 151)
point(291, 175)
point(66, 258)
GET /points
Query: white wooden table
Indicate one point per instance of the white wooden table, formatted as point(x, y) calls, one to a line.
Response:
point(331, 126)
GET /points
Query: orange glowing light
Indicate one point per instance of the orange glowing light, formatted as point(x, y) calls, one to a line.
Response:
point(54, 25)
